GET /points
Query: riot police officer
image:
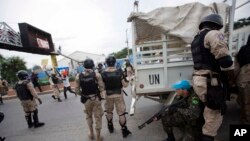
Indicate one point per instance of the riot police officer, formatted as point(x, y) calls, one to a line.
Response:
point(27, 95)
point(100, 68)
point(212, 67)
point(89, 85)
point(114, 82)
point(54, 81)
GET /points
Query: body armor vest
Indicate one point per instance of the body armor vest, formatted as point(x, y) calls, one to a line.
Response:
point(55, 80)
point(112, 82)
point(88, 84)
point(202, 57)
point(23, 92)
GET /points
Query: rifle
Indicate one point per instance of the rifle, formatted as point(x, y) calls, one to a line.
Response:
point(58, 72)
point(160, 113)
point(47, 73)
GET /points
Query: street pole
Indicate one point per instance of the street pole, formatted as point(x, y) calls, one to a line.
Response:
point(127, 41)
point(231, 26)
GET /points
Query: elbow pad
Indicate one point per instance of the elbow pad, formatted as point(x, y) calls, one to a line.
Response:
point(225, 61)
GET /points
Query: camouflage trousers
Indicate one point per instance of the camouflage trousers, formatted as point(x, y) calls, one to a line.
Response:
point(29, 105)
point(213, 118)
point(191, 128)
point(120, 107)
point(244, 102)
point(56, 91)
point(94, 107)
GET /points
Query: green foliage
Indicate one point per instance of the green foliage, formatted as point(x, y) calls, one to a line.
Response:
point(122, 53)
point(242, 22)
point(10, 66)
point(71, 78)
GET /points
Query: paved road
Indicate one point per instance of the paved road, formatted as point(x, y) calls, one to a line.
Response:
point(65, 121)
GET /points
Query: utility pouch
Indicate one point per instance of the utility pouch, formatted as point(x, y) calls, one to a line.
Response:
point(215, 97)
point(84, 99)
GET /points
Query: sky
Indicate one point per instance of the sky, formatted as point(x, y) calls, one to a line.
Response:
point(94, 26)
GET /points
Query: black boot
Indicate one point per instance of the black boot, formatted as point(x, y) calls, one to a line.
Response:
point(110, 126)
point(125, 132)
point(59, 100)
point(2, 138)
point(36, 121)
point(170, 137)
point(53, 97)
point(1, 100)
point(29, 120)
point(207, 138)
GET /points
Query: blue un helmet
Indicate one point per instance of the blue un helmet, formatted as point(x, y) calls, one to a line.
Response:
point(183, 84)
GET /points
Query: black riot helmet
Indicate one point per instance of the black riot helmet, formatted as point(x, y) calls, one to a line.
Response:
point(110, 61)
point(22, 75)
point(212, 20)
point(100, 65)
point(88, 64)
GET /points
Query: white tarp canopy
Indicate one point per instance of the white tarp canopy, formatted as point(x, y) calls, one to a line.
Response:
point(181, 21)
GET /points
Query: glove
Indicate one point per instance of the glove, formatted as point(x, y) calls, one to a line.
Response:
point(40, 101)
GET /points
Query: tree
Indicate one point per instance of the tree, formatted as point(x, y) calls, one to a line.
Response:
point(122, 53)
point(10, 66)
point(242, 22)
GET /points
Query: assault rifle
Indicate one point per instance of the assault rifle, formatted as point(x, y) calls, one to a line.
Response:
point(159, 114)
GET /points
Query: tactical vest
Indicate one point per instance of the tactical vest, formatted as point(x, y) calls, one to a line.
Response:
point(23, 92)
point(112, 80)
point(88, 83)
point(243, 56)
point(55, 80)
point(202, 57)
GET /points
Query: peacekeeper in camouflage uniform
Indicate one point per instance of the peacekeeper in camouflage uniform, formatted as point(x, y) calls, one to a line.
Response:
point(242, 69)
point(89, 84)
point(3, 89)
point(54, 81)
point(212, 66)
point(27, 95)
point(114, 82)
point(187, 115)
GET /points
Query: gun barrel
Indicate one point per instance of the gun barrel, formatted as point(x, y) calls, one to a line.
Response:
point(141, 126)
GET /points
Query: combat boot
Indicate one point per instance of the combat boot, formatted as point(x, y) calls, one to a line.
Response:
point(110, 125)
point(59, 100)
point(53, 97)
point(36, 121)
point(207, 138)
point(98, 135)
point(125, 132)
point(1, 100)
point(170, 137)
point(29, 120)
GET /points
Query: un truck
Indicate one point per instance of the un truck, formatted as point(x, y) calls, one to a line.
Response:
point(161, 47)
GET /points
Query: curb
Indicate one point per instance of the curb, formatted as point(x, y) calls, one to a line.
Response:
point(8, 97)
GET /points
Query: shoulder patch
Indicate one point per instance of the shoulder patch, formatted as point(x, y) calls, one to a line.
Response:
point(221, 37)
point(195, 100)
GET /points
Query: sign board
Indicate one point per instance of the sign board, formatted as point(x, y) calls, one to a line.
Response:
point(44, 62)
point(35, 40)
point(30, 39)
